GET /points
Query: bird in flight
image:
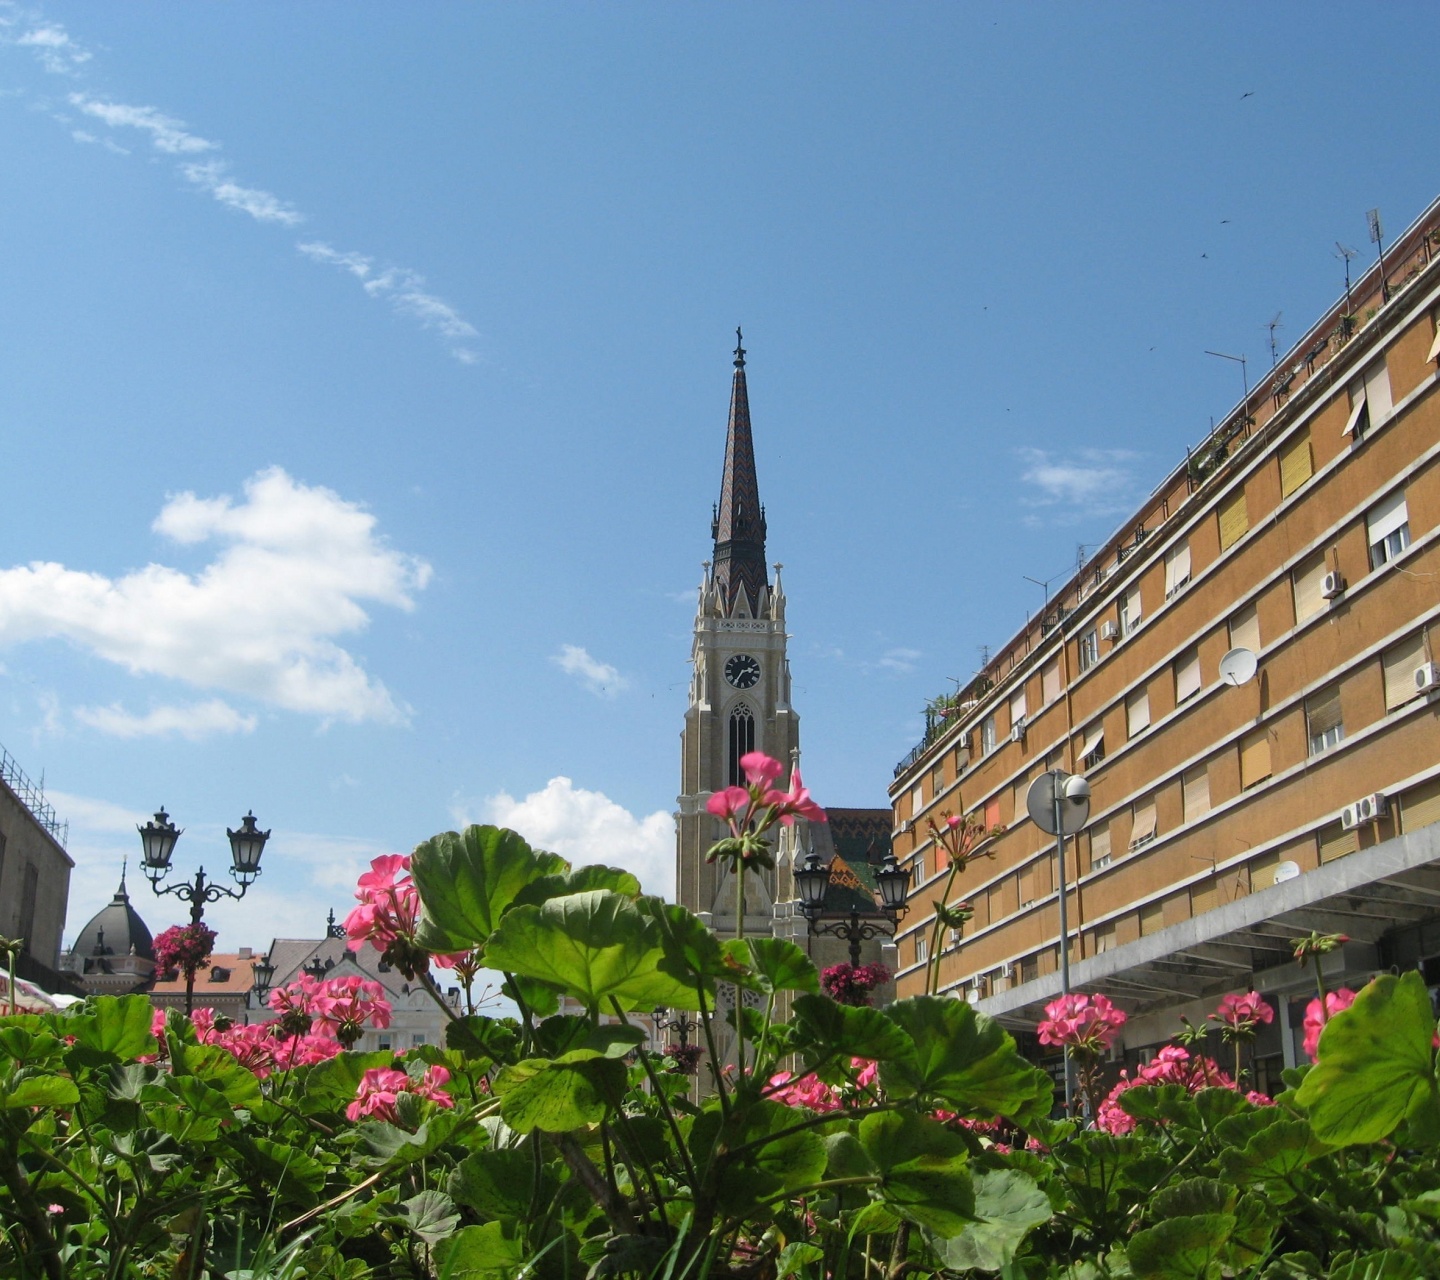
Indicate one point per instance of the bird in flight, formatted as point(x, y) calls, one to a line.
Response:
point(1223, 221)
point(1251, 94)
point(1204, 255)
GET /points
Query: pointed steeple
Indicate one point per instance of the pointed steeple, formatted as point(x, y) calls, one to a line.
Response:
point(739, 524)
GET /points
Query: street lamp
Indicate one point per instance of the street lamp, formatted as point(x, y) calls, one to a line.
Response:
point(264, 973)
point(680, 1024)
point(812, 879)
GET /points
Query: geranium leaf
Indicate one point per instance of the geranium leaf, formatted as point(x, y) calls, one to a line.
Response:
point(115, 1026)
point(964, 1060)
point(559, 1096)
point(580, 880)
point(823, 1031)
point(1008, 1206)
point(1376, 1066)
point(479, 1253)
point(41, 1091)
point(1188, 1248)
point(923, 1169)
point(777, 964)
point(596, 946)
point(468, 879)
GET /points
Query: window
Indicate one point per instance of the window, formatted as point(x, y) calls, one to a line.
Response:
point(1306, 580)
point(742, 741)
point(1370, 403)
point(1297, 465)
point(1144, 829)
point(919, 875)
point(1177, 568)
point(917, 799)
point(1245, 629)
point(1322, 719)
point(1152, 919)
point(1100, 847)
point(992, 812)
point(385, 1040)
point(1435, 346)
point(417, 1037)
point(1104, 939)
point(1254, 758)
point(1335, 842)
point(1029, 968)
point(922, 948)
point(1130, 611)
point(1017, 709)
point(1234, 520)
point(937, 780)
point(1050, 683)
point(1088, 649)
point(1093, 751)
point(1195, 784)
point(1137, 712)
point(987, 734)
point(1187, 675)
point(1399, 663)
point(1387, 528)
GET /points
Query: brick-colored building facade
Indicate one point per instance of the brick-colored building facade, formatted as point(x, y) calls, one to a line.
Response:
point(1224, 818)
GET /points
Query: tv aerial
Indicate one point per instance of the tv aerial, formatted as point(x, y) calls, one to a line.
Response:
point(1272, 326)
point(1238, 667)
point(1346, 252)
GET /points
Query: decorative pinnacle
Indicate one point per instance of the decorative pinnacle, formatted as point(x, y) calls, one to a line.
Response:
point(739, 348)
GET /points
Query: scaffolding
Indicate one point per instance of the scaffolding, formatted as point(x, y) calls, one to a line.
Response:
point(32, 797)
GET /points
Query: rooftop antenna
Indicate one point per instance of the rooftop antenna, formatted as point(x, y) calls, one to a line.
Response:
point(1244, 377)
point(1377, 233)
point(1272, 326)
point(1346, 252)
point(1044, 586)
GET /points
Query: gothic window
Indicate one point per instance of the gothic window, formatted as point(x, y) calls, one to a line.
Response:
point(742, 741)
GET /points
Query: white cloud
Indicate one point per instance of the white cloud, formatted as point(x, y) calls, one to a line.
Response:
point(1091, 482)
point(51, 43)
point(194, 721)
point(297, 567)
point(900, 661)
point(587, 826)
point(166, 133)
point(603, 680)
point(260, 205)
point(87, 814)
point(405, 291)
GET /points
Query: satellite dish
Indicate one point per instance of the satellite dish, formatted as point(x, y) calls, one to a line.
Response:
point(1074, 803)
point(1286, 871)
point(1238, 667)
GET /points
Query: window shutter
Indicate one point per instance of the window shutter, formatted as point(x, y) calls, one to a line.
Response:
point(1336, 842)
point(1357, 410)
point(1254, 758)
point(1152, 918)
point(1399, 666)
point(1099, 842)
point(1187, 675)
point(1104, 938)
point(992, 812)
point(1144, 828)
point(1130, 614)
point(1386, 516)
point(1202, 897)
point(1322, 711)
point(1196, 785)
point(1306, 580)
point(1420, 807)
point(1177, 568)
point(1017, 708)
point(1245, 629)
point(1377, 393)
point(1137, 712)
point(1234, 520)
point(917, 799)
point(1297, 465)
point(1050, 683)
point(1094, 740)
point(1435, 346)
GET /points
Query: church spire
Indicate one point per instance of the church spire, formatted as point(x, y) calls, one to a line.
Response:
point(739, 525)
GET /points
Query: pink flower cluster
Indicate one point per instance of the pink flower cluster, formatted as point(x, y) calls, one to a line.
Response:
point(1084, 1024)
point(1243, 1015)
point(262, 1047)
point(185, 947)
point(1317, 1015)
point(851, 984)
point(812, 1092)
point(381, 1087)
point(1172, 1065)
point(738, 805)
point(389, 904)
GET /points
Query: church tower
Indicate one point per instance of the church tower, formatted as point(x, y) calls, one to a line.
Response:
point(740, 686)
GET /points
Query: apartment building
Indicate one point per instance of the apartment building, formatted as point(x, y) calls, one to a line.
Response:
point(1236, 804)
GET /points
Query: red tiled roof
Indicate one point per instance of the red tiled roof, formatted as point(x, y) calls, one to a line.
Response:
point(241, 977)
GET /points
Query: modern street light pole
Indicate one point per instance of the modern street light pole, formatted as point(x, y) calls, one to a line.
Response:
point(158, 839)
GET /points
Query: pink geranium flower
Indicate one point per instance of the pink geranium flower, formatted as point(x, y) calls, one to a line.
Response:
point(1316, 1016)
point(1086, 1024)
point(760, 768)
point(728, 804)
point(1243, 1014)
point(381, 1087)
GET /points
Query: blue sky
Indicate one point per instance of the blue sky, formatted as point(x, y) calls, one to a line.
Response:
point(365, 372)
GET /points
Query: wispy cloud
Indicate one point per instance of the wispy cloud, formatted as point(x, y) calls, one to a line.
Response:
point(603, 680)
point(194, 722)
point(406, 292)
point(405, 289)
point(899, 661)
point(1076, 486)
point(300, 563)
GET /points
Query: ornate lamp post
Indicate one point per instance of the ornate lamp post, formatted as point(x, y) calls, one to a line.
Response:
point(264, 973)
point(812, 879)
point(158, 839)
point(680, 1024)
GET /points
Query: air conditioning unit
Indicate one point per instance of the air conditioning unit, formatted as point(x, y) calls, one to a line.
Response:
point(905, 825)
point(1332, 586)
point(967, 741)
point(1427, 677)
point(1350, 817)
point(1109, 631)
point(1017, 730)
point(1371, 807)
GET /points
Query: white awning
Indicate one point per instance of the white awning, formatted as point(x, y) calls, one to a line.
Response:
point(1093, 741)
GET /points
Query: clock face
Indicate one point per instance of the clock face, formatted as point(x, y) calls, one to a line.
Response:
point(742, 671)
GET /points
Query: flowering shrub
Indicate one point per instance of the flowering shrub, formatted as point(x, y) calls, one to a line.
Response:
point(853, 984)
point(185, 947)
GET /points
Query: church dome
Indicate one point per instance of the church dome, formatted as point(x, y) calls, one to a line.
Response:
point(113, 932)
